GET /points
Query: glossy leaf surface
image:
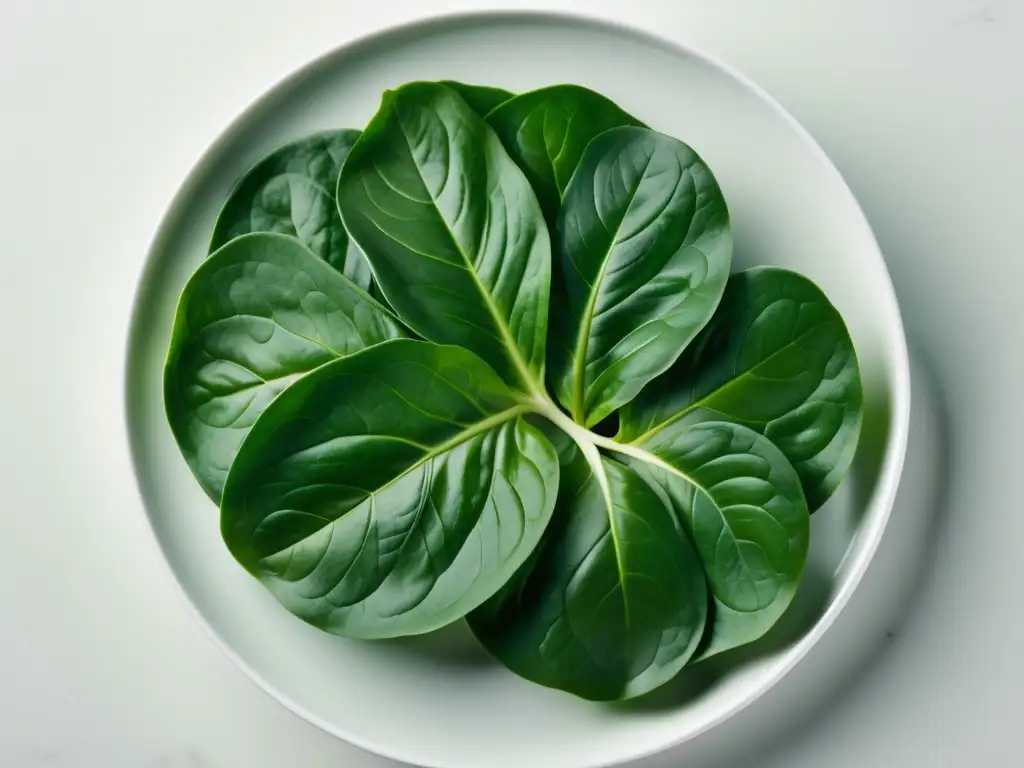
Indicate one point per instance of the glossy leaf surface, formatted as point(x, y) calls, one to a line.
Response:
point(614, 602)
point(643, 250)
point(545, 131)
point(480, 98)
point(741, 503)
point(452, 228)
point(568, 268)
point(777, 358)
point(256, 315)
point(390, 492)
point(292, 192)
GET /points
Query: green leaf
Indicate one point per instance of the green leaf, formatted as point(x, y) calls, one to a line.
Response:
point(545, 131)
point(643, 249)
point(291, 192)
point(481, 98)
point(390, 492)
point(453, 231)
point(381, 486)
point(255, 316)
point(776, 358)
point(613, 603)
point(741, 503)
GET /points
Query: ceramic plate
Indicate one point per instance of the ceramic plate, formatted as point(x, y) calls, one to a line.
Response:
point(439, 700)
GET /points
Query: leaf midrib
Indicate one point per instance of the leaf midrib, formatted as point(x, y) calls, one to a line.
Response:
point(597, 468)
point(587, 442)
point(451, 443)
point(277, 323)
point(583, 339)
point(526, 376)
point(654, 460)
point(703, 401)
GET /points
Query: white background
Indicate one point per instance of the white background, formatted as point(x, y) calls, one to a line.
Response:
point(104, 107)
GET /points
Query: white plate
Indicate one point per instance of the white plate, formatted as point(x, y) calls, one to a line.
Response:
point(440, 701)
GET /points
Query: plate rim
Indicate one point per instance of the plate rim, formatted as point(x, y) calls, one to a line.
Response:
point(890, 473)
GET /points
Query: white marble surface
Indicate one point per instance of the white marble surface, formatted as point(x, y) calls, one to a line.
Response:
point(105, 105)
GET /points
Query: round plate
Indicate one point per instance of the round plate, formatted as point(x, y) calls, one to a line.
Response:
point(439, 700)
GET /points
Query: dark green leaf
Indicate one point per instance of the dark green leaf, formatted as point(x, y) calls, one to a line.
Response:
point(740, 501)
point(255, 316)
point(380, 486)
point(292, 192)
point(643, 249)
point(453, 231)
point(613, 603)
point(390, 492)
point(481, 98)
point(777, 358)
point(546, 131)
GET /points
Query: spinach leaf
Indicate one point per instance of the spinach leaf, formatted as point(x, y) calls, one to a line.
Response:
point(390, 492)
point(741, 503)
point(381, 486)
point(453, 231)
point(255, 316)
point(566, 622)
point(291, 191)
point(481, 98)
point(777, 358)
point(643, 249)
point(545, 131)
point(613, 603)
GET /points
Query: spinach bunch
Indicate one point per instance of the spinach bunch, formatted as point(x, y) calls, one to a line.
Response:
point(485, 359)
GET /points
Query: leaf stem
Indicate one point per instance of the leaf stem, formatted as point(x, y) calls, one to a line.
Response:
point(546, 407)
point(589, 441)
